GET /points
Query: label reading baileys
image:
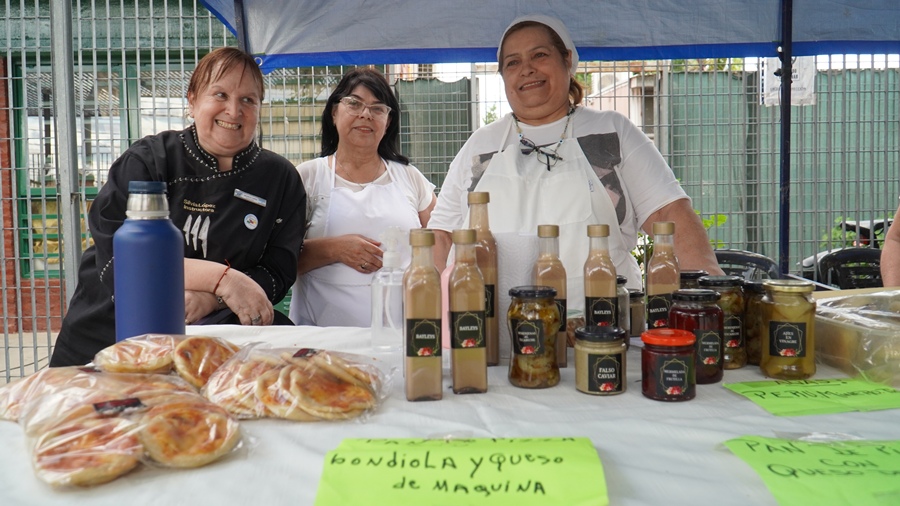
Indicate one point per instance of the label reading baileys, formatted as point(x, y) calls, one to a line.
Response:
point(658, 307)
point(467, 329)
point(601, 311)
point(423, 337)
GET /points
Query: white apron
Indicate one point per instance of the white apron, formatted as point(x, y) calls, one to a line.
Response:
point(338, 295)
point(524, 194)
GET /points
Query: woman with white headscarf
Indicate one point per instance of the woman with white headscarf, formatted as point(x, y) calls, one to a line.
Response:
point(553, 161)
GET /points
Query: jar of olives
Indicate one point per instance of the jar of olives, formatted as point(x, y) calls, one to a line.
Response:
point(667, 365)
point(731, 300)
point(788, 344)
point(600, 360)
point(696, 311)
point(753, 295)
point(533, 319)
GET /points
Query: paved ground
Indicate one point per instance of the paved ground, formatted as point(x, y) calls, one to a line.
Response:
point(17, 357)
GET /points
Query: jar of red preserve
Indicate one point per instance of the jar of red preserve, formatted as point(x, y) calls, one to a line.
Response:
point(696, 311)
point(667, 365)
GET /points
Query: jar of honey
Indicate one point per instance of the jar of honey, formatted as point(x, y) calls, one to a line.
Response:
point(788, 344)
point(600, 360)
point(667, 365)
point(533, 319)
point(731, 300)
point(695, 311)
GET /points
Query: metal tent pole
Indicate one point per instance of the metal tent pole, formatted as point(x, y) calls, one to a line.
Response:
point(784, 221)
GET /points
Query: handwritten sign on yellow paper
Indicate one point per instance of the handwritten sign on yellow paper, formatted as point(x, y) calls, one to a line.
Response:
point(842, 473)
point(513, 471)
point(818, 396)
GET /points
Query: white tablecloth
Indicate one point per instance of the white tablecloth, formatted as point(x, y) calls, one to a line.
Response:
point(653, 453)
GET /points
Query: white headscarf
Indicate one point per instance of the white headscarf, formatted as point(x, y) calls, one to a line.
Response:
point(555, 25)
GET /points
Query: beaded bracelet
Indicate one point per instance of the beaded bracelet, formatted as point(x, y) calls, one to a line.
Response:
point(227, 268)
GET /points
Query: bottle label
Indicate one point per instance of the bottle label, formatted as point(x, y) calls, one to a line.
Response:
point(467, 329)
point(672, 376)
point(709, 346)
point(527, 336)
point(605, 373)
point(787, 339)
point(734, 331)
point(562, 306)
point(658, 307)
point(490, 297)
point(423, 337)
point(601, 311)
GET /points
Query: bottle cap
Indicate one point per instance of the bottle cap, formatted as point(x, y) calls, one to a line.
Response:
point(788, 285)
point(548, 230)
point(391, 243)
point(663, 227)
point(147, 187)
point(693, 275)
point(532, 292)
point(720, 281)
point(479, 197)
point(464, 236)
point(696, 295)
point(621, 280)
point(668, 337)
point(421, 237)
point(635, 294)
point(598, 230)
point(599, 334)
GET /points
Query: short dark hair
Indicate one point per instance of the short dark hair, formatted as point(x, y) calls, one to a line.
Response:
point(389, 147)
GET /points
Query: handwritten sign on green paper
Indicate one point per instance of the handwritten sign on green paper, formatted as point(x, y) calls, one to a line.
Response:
point(519, 471)
point(811, 397)
point(841, 473)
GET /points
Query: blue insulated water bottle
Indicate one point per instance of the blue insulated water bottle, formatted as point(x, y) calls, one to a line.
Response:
point(148, 259)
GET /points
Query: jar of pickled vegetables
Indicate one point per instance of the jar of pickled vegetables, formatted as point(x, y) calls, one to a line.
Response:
point(753, 295)
point(638, 321)
point(533, 319)
point(695, 311)
point(600, 360)
point(667, 365)
point(731, 300)
point(788, 314)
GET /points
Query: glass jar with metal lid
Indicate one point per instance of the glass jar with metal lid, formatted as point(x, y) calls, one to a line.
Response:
point(667, 365)
point(623, 307)
point(638, 321)
point(600, 360)
point(788, 314)
point(533, 320)
point(753, 295)
point(731, 300)
point(696, 311)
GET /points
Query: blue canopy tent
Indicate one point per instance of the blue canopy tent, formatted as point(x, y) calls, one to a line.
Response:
point(294, 33)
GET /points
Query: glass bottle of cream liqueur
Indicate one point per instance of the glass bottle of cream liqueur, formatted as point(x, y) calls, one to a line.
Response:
point(663, 275)
point(468, 355)
point(549, 271)
point(422, 317)
point(600, 297)
point(486, 257)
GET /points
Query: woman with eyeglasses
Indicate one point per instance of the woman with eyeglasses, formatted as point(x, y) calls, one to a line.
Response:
point(554, 161)
point(360, 186)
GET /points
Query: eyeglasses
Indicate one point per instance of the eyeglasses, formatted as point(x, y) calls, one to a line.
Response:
point(358, 106)
point(549, 158)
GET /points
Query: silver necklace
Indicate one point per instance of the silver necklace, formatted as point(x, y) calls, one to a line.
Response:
point(361, 185)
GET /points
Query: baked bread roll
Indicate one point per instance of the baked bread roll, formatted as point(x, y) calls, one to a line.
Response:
point(197, 358)
point(187, 434)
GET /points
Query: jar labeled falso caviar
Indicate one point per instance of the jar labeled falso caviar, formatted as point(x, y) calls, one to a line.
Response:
point(695, 311)
point(533, 320)
point(753, 296)
point(667, 365)
point(600, 360)
point(788, 313)
point(731, 301)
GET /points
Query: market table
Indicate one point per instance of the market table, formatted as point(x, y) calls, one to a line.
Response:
point(653, 453)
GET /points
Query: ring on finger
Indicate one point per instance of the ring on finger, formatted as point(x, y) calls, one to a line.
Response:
point(255, 320)
point(364, 266)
